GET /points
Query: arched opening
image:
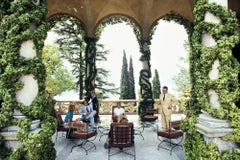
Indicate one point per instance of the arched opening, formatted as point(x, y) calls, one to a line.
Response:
point(120, 35)
point(170, 57)
point(169, 53)
point(65, 73)
point(119, 39)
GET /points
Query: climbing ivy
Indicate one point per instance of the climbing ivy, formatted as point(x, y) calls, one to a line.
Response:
point(177, 18)
point(226, 85)
point(24, 20)
point(118, 19)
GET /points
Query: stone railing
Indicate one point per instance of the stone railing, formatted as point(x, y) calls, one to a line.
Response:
point(131, 106)
point(105, 106)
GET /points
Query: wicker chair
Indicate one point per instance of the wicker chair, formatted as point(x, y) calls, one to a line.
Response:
point(172, 137)
point(121, 139)
point(80, 132)
point(60, 125)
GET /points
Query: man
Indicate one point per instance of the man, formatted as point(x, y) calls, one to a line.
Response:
point(167, 101)
point(94, 100)
point(118, 113)
point(88, 113)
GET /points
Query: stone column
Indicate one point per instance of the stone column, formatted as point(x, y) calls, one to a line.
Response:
point(212, 128)
point(90, 60)
point(145, 74)
point(23, 83)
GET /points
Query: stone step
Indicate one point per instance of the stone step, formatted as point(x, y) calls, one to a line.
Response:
point(213, 132)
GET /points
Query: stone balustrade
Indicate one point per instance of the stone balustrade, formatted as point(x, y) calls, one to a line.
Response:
point(130, 105)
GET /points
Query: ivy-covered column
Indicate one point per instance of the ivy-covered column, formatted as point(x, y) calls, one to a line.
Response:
point(144, 82)
point(25, 122)
point(90, 60)
point(212, 131)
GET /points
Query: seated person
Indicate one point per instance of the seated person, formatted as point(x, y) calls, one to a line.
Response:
point(88, 113)
point(119, 113)
point(69, 117)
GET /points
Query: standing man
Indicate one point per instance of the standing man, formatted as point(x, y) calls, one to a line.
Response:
point(94, 100)
point(167, 102)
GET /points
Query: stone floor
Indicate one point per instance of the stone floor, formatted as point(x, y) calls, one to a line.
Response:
point(145, 149)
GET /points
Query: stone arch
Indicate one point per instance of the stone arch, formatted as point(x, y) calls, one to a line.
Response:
point(118, 18)
point(77, 26)
point(53, 19)
point(177, 18)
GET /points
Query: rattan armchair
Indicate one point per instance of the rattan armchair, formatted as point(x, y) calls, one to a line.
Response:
point(60, 125)
point(169, 139)
point(121, 139)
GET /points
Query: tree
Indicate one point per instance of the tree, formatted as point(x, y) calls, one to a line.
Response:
point(156, 85)
point(58, 79)
point(124, 83)
point(101, 81)
point(72, 47)
point(182, 79)
point(131, 87)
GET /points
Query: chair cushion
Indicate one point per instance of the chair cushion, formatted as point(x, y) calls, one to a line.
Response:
point(82, 135)
point(151, 111)
point(150, 118)
point(170, 134)
point(175, 124)
point(80, 127)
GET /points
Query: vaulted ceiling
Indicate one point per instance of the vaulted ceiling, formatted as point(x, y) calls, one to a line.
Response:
point(144, 13)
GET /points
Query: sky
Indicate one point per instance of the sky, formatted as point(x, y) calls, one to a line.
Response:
point(166, 49)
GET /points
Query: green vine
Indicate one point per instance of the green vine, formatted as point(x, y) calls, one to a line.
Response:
point(91, 62)
point(147, 100)
point(226, 85)
point(115, 19)
point(21, 21)
point(177, 18)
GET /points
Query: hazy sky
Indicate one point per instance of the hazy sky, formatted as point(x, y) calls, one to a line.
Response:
point(166, 49)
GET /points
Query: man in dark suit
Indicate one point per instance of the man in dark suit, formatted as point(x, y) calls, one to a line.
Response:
point(94, 100)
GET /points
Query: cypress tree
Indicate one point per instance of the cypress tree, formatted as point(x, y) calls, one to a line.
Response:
point(124, 84)
point(131, 87)
point(156, 86)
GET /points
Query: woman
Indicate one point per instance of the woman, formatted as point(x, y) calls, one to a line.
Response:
point(69, 117)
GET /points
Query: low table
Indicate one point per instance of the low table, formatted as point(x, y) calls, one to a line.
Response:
point(103, 129)
point(138, 129)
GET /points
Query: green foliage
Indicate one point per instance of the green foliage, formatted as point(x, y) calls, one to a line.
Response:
point(182, 79)
point(145, 74)
point(21, 21)
point(119, 19)
point(226, 85)
point(102, 83)
point(124, 83)
point(131, 86)
point(156, 85)
point(72, 47)
point(58, 77)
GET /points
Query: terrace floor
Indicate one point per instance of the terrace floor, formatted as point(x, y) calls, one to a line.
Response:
point(145, 149)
